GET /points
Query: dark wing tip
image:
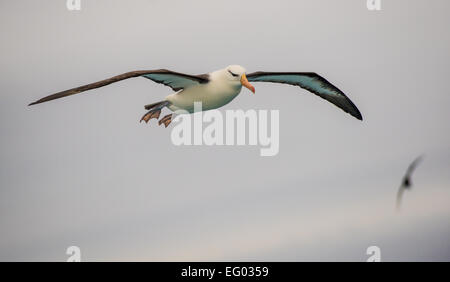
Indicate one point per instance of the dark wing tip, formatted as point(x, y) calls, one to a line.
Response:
point(350, 107)
point(34, 103)
point(52, 97)
point(356, 113)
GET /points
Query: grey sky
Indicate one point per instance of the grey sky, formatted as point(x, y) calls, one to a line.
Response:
point(83, 171)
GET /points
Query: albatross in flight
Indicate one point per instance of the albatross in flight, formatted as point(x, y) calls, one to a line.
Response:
point(406, 181)
point(216, 89)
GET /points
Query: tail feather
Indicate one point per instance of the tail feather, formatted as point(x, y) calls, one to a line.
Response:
point(159, 105)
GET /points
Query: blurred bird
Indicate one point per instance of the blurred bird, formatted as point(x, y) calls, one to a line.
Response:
point(406, 182)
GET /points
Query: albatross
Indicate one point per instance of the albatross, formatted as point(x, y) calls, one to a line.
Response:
point(216, 89)
point(406, 181)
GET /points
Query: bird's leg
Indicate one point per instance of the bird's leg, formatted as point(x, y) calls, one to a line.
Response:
point(154, 110)
point(166, 120)
point(154, 113)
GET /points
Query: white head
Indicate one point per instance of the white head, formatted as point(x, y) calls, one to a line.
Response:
point(236, 74)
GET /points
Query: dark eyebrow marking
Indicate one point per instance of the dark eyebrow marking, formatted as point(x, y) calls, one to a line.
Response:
point(233, 74)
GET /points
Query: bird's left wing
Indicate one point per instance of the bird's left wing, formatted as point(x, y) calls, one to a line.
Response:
point(413, 166)
point(400, 191)
point(174, 80)
point(313, 83)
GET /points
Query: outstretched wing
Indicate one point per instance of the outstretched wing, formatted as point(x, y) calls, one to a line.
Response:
point(313, 83)
point(400, 191)
point(413, 166)
point(174, 80)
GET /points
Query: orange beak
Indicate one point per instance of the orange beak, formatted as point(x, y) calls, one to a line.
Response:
point(247, 84)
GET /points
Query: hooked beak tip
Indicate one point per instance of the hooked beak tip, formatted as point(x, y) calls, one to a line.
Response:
point(247, 84)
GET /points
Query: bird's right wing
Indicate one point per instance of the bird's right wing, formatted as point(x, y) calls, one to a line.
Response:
point(413, 166)
point(399, 196)
point(174, 80)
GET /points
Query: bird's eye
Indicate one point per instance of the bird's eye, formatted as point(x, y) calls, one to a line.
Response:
point(233, 74)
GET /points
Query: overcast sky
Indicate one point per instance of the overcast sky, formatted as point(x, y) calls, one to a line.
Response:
point(83, 171)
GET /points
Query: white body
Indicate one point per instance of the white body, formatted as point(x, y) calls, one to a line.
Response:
point(219, 91)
